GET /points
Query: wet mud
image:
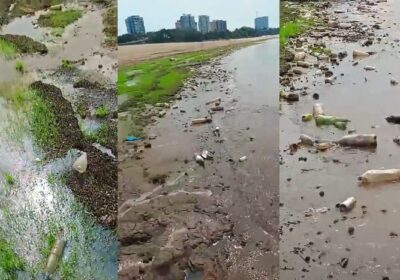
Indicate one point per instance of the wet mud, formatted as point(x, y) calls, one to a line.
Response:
point(317, 240)
point(179, 219)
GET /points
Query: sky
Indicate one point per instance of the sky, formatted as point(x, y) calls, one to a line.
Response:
point(159, 14)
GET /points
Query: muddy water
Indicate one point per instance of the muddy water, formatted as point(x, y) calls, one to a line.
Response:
point(366, 98)
point(248, 128)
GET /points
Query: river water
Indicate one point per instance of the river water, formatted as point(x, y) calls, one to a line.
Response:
point(365, 98)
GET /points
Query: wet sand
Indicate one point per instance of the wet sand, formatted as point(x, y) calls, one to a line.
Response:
point(233, 226)
point(137, 53)
point(313, 244)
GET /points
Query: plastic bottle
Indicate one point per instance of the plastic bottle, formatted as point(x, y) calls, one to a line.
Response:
point(80, 164)
point(377, 176)
point(318, 110)
point(348, 204)
point(306, 140)
point(55, 255)
point(359, 140)
point(329, 120)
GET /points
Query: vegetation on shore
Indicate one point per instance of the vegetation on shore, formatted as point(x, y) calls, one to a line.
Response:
point(7, 50)
point(10, 263)
point(59, 19)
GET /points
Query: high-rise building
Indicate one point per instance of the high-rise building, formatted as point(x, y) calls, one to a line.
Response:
point(135, 25)
point(204, 24)
point(261, 23)
point(186, 22)
point(218, 26)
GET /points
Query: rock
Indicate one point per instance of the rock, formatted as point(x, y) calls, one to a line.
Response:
point(306, 140)
point(298, 56)
point(359, 53)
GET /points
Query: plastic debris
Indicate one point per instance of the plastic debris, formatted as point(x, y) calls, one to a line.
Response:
point(201, 120)
point(378, 176)
point(306, 117)
point(359, 140)
point(242, 159)
point(80, 164)
point(347, 205)
point(132, 139)
point(55, 255)
point(213, 101)
point(306, 140)
point(318, 110)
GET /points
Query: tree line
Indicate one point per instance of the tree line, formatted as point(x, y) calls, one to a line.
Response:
point(174, 35)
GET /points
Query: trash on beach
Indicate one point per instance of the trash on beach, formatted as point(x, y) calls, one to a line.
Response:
point(347, 205)
point(318, 109)
point(359, 140)
point(242, 159)
point(201, 120)
point(306, 117)
point(323, 146)
point(393, 119)
point(358, 53)
point(132, 139)
point(290, 97)
point(329, 120)
point(80, 164)
point(369, 68)
point(306, 140)
point(199, 159)
point(206, 155)
point(55, 255)
point(217, 108)
point(213, 101)
point(379, 176)
point(397, 140)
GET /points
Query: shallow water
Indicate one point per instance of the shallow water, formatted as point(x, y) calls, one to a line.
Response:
point(372, 252)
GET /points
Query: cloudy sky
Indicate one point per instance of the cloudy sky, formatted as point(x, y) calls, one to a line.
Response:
point(158, 14)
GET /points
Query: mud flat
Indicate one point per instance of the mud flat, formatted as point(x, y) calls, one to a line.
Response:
point(317, 240)
point(137, 53)
point(180, 219)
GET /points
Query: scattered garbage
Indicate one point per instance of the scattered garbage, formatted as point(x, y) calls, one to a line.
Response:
point(199, 159)
point(359, 140)
point(306, 117)
point(206, 155)
point(213, 101)
point(306, 140)
point(318, 109)
point(201, 120)
point(242, 159)
point(80, 164)
point(55, 255)
point(217, 108)
point(393, 82)
point(290, 97)
point(393, 119)
point(132, 139)
point(358, 53)
point(380, 176)
point(397, 140)
point(323, 146)
point(369, 68)
point(330, 120)
point(347, 205)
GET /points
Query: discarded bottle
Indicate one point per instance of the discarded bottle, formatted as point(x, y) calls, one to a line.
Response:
point(201, 120)
point(378, 176)
point(323, 146)
point(55, 255)
point(318, 110)
point(347, 205)
point(306, 140)
point(306, 117)
point(132, 139)
point(358, 53)
point(369, 68)
point(393, 119)
point(242, 159)
point(359, 140)
point(217, 108)
point(213, 101)
point(199, 159)
point(80, 164)
point(329, 120)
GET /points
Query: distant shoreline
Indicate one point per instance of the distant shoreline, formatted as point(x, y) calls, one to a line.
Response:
point(132, 54)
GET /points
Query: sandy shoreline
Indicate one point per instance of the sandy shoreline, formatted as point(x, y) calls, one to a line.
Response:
point(136, 53)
